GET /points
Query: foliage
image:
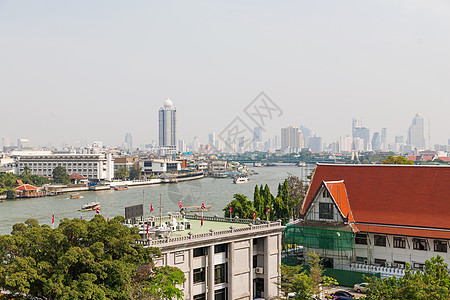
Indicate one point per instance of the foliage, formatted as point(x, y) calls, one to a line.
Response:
point(316, 274)
point(60, 175)
point(79, 259)
point(135, 171)
point(241, 207)
point(304, 284)
point(8, 180)
point(159, 283)
point(122, 173)
point(432, 283)
point(397, 160)
point(284, 206)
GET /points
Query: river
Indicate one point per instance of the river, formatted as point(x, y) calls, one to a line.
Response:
point(212, 191)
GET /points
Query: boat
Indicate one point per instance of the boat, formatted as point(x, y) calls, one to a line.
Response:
point(189, 209)
point(241, 179)
point(121, 188)
point(90, 206)
point(75, 196)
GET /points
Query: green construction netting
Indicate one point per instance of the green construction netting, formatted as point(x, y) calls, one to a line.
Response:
point(319, 237)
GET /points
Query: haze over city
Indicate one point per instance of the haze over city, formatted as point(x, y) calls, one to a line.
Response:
point(91, 71)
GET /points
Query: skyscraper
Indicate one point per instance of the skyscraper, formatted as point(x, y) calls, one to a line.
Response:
point(168, 125)
point(129, 141)
point(291, 139)
point(416, 137)
point(376, 141)
point(384, 140)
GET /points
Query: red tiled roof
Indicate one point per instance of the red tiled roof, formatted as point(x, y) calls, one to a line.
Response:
point(443, 158)
point(76, 176)
point(412, 157)
point(427, 158)
point(395, 195)
point(26, 187)
point(339, 194)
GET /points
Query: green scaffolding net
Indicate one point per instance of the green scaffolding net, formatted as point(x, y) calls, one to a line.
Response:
point(319, 237)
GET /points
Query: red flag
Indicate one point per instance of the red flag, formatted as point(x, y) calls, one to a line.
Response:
point(108, 218)
point(97, 211)
point(147, 226)
point(254, 215)
point(151, 207)
point(268, 210)
point(179, 204)
point(53, 218)
point(203, 205)
point(201, 222)
point(230, 209)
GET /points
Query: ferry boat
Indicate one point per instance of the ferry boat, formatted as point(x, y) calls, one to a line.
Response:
point(75, 196)
point(121, 188)
point(90, 206)
point(241, 179)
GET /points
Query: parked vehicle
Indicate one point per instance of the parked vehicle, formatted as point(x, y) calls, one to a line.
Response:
point(360, 287)
point(342, 295)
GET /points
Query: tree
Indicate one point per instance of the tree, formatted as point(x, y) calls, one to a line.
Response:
point(60, 175)
point(432, 283)
point(397, 160)
point(81, 259)
point(316, 274)
point(135, 171)
point(241, 207)
point(122, 173)
point(297, 192)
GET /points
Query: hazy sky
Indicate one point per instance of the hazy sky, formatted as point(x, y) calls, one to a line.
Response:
point(94, 70)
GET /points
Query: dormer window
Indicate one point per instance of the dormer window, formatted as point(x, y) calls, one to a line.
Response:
point(325, 194)
point(326, 211)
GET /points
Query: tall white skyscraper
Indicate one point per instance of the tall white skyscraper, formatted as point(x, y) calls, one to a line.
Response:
point(416, 137)
point(168, 134)
point(384, 140)
point(129, 141)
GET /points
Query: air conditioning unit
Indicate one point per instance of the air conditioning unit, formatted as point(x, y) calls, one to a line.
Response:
point(259, 270)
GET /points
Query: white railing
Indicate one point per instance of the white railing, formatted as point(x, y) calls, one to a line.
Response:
point(209, 234)
point(384, 271)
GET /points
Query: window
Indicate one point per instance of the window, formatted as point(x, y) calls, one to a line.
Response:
point(380, 240)
point(419, 244)
point(399, 264)
point(326, 211)
point(255, 261)
point(199, 275)
point(399, 242)
point(361, 259)
point(380, 262)
point(220, 248)
point(361, 239)
point(220, 294)
point(419, 266)
point(200, 297)
point(147, 163)
point(325, 194)
point(220, 273)
point(440, 246)
point(199, 252)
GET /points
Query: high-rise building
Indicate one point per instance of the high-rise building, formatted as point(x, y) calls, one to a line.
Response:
point(315, 144)
point(384, 140)
point(416, 137)
point(359, 131)
point(376, 141)
point(23, 144)
point(129, 141)
point(291, 139)
point(257, 134)
point(356, 123)
point(168, 125)
point(212, 138)
point(345, 144)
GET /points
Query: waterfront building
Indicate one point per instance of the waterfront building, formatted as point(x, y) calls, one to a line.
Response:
point(416, 137)
point(92, 166)
point(152, 167)
point(168, 131)
point(225, 258)
point(376, 218)
point(127, 162)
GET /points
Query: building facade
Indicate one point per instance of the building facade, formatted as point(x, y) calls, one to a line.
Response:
point(168, 131)
point(376, 218)
point(416, 133)
point(92, 166)
point(291, 139)
point(233, 262)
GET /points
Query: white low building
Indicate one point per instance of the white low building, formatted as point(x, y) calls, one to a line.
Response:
point(376, 218)
point(157, 166)
point(225, 259)
point(92, 166)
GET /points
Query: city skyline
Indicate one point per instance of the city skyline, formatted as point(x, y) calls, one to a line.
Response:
point(61, 67)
